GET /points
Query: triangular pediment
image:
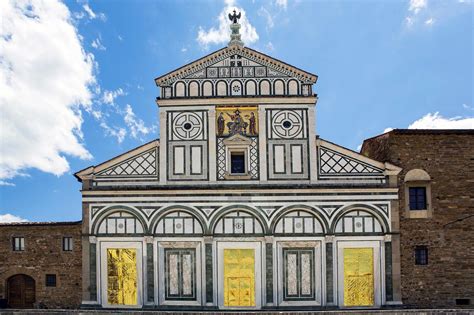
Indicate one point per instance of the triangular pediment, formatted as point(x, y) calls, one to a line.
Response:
point(237, 140)
point(338, 162)
point(236, 62)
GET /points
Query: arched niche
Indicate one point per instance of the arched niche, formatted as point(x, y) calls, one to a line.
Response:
point(358, 222)
point(292, 87)
point(251, 88)
point(298, 222)
point(279, 87)
point(179, 89)
point(178, 223)
point(221, 88)
point(238, 222)
point(193, 89)
point(120, 222)
point(207, 88)
point(264, 87)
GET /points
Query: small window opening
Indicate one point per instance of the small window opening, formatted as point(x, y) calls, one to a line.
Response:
point(50, 280)
point(237, 163)
point(67, 244)
point(18, 243)
point(187, 126)
point(463, 302)
point(421, 255)
point(417, 198)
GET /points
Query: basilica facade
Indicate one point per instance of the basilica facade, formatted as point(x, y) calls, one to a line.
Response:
point(239, 204)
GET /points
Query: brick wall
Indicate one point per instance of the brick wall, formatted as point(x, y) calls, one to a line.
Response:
point(448, 157)
point(43, 255)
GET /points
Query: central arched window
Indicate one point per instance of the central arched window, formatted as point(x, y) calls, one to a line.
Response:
point(120, 222)
point(178, 223)
point(238, 223)
point(298, 222)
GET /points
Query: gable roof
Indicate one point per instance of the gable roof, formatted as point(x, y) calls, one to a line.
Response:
point(206, 61)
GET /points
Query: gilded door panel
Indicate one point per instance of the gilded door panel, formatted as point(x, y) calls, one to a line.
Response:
point(122, 276)
point(358, 276)
point(239, 277)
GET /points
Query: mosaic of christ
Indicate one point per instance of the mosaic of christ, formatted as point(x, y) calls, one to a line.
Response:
point(236, 120)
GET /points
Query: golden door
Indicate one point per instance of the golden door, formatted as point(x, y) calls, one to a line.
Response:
point(122, 276)
point(358, 276)
point(239, 277)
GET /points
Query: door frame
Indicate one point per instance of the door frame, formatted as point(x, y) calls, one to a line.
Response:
point(8, 289)
point(379, 270)
point(102, 277)
point(219, 267)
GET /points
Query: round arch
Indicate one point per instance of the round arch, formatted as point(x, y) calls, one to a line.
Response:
point(21, 291)
point(304, 208)
point(221, 213)
point(361, 207)
point(177, 208)
point(118, 208)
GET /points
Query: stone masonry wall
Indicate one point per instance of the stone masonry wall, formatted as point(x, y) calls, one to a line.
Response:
point(43, 255)
point(448, 157)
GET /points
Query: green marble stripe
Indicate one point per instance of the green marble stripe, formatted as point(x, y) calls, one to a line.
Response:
point(150, 273)
point(329, 274)
point(209, 279)
point(388, 271)
point(92, 272)
point(269, 272)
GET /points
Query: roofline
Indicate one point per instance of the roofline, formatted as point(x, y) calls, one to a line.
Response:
point(188, 64)
point(255, 51)
point(40, 223)
point(424, 132)
point(149, 142)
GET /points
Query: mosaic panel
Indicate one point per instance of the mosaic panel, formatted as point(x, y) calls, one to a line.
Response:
point(122, 276)
point(358, 277)
point(239, 277)
point(236, 120)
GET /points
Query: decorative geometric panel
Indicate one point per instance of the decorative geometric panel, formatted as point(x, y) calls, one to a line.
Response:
point(238, 223)
point(142, 164)
point(358, 276)
point(298, 274)
point(287, 124)
point(222, 157)
point(298, 222)
point(187, 126)
point(358, 222)
point(120, 223)
point(180, 274)
point(332, 162)
point(122, 283)
point(178, 223)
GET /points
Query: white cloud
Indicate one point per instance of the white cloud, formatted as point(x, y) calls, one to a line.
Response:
point(465, 106)
point(269, 46)
point(387, 130)
point(429, 21)
point(359, 147)
point(221, 34)
point(184, 49)
point(268, 17)
point(109, 97)
point(46, 79)
point(120, 38)
point(92, 15)
point(417, 5)
point(116, 132)
point(5, 183)
point(9, 218)
point(137, 126)
point(97, 44)
point(436, 121)
point(282, 3)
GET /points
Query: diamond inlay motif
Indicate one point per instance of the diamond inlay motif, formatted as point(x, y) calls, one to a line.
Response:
point(143, 164)
point(336, 163)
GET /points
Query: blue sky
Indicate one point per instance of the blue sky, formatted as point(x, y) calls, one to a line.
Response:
point(78, 76)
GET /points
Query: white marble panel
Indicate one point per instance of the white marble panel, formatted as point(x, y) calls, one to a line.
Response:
point(306, 273)
point(173, 274)
point(296, 161)
point(292, 274)
point(178, 160)
point(187, 274)
point(196, 160)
